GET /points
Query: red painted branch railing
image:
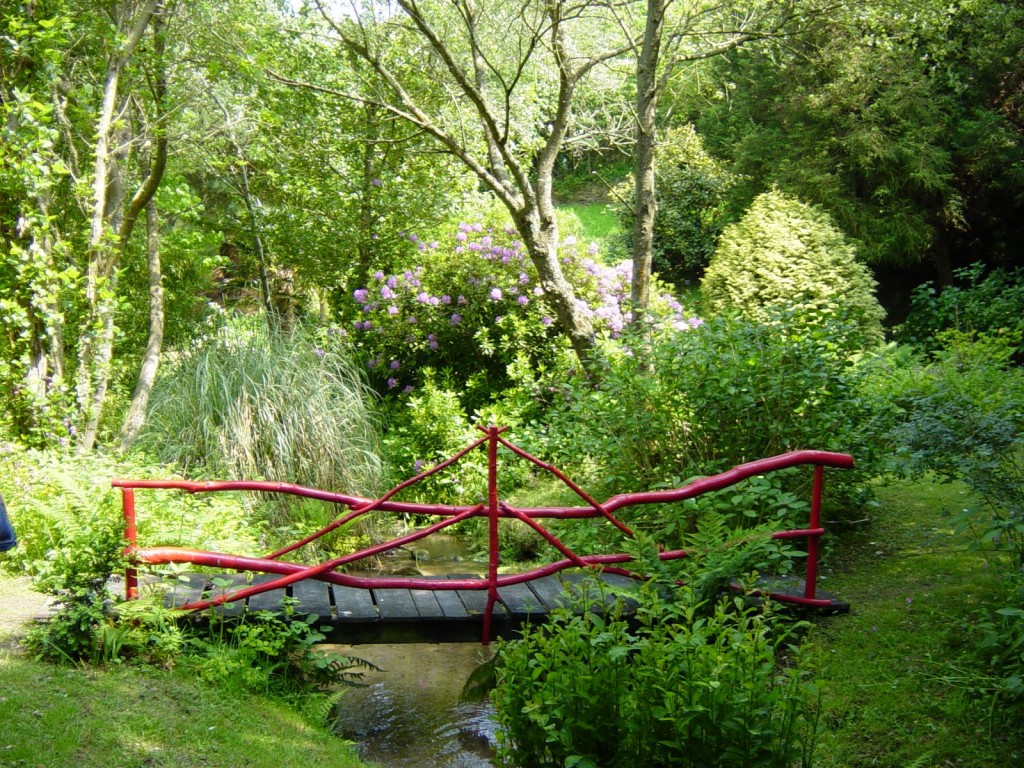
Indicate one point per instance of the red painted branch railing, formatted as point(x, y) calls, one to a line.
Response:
point(287, 573)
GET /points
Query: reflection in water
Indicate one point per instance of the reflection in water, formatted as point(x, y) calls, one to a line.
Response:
point(410, 714)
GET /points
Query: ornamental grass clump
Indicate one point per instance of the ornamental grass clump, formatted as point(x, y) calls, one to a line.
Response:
point(265, 405)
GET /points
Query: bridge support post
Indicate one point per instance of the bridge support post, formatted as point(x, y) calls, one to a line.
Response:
point(492, 529)
point(131, 575)
point(811, 579)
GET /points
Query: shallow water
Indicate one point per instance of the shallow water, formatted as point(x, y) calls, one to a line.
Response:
point(410, 714)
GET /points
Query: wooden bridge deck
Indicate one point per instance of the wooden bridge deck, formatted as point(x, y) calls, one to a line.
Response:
point(402, 615)
point(359, 616)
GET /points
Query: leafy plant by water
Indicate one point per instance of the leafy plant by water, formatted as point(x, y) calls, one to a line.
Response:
point(694, 684)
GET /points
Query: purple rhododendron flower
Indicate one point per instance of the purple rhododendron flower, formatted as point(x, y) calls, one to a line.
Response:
point(546, 320)
point(360, 294)
point(455, 319)
point(395, 365)
point(408, 388)
point(375, 182)
point(392, 383)
point(378, 275)
point(392, 309)
point(523, 300)
point(495, 294)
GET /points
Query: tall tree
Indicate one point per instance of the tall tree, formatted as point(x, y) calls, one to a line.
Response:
point(110, 222)
point(900, 125)
point(677, 32)
point(36, 272)
point(502, 109)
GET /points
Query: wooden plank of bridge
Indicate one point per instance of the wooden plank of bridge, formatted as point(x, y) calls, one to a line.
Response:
point(353, 604)
point(314, 598)
point(426, 603)
point(550, 591)
point(395, 604)
point(522, 602)
point(451, 605)
point(267, 601)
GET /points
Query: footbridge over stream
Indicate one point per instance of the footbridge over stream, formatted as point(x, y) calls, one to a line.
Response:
point(363, 609)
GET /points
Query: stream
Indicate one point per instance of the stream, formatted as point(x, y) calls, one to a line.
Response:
point(409, 715)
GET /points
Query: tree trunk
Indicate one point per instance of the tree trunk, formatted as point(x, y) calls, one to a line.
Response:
point(647, 93)
point(136, 415)
point(97, 346)
point(540, 236)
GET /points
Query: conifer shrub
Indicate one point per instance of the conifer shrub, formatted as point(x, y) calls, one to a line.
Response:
point(784, 253)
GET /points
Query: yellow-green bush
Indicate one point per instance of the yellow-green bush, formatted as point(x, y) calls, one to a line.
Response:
point(784, 253)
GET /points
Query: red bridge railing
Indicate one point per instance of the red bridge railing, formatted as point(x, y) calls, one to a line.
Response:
point(494, 510)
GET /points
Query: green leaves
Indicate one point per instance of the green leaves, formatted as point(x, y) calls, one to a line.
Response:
point(675, 690)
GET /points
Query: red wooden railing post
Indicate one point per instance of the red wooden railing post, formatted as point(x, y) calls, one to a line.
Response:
point(492, 526)
point(811, 579)
point(131, 575)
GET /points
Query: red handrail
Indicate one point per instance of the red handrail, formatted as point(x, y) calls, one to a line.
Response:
point(288, 573)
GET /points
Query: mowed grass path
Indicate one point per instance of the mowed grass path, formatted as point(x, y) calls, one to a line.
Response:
point(911, 581)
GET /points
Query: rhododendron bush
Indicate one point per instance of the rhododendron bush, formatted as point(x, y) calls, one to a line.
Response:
point(473, 307)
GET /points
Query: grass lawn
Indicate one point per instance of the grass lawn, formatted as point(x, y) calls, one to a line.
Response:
point(909, 580)
point(126, 718)
point(597, 224)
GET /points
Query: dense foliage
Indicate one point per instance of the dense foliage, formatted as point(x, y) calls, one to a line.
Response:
point(713, 394)
point(692, 685)
point(692, 191)
point(990, 303)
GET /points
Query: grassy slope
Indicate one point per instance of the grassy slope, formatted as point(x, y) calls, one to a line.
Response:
point(906, 576)
point(93, 718)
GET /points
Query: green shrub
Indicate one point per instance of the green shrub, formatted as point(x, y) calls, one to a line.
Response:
point(692, 189)
point(250, 405)
point(431, 427)
point(473, 307)
point(783, 253)
point(991, 304)
point(71, 536)
point(692, 685)
point(960, 417)
point(702, 400)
